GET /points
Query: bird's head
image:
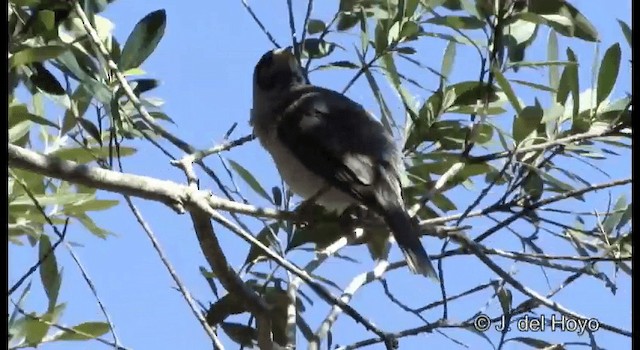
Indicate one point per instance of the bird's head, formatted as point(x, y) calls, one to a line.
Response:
point(277, 71)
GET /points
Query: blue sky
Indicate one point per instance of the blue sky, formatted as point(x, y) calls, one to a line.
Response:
point(205, 62)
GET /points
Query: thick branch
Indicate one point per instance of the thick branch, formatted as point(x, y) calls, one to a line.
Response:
point(544, 145)
point(170, 193)
point(180, 197)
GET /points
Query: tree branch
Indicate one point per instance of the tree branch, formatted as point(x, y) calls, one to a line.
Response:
point(181, 198)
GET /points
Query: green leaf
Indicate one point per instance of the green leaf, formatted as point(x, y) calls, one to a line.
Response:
point(579, 124)
point(526, 122)
point(88, 223)
point(491, 110)
point(86, 330)
point(551, 119)
point(250, 180)
point(79, 65)
point(394, 79)
point(267, 236)
point(447, 60)
point(483, 134)
point(626, 216)
point(35, 330)
point(505, 298)
point(239, 333)
point(381, 37)
point(470, 93)
point(18, 113)
point(143, 40)
point(613, 219)
point(563, 17)
point(536, 343)
point(457, 22)
point(410, 31)
point(143, 85)
point(428, 113)
point(520, 33)
point(626, 30)
point(508, 90)
point(91, 129)
point(346, 21)
point(83, 155)
point(552, 55)
point(161, 116)
point(385, 113)
point(45, 81)
point(449, 133)
point(20, 304)
point(406, 50)
point(556, 185)
point(277, 195)
point(19, 130)
point(533, 85)
point(443, 203)
point(553, 63)
point(92, 205)
point(338, 64)
point(316, 48)
point(315, 26)
point(608, 72)
point(80, 101)
point(533, 185)
point(35, 54)
point(49, 274)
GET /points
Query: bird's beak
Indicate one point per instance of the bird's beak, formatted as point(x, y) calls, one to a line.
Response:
point(285, 56)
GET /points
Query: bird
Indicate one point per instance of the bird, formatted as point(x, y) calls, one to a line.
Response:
point(329, 149)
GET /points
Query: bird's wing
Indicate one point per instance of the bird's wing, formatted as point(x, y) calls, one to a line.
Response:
point(337, 139)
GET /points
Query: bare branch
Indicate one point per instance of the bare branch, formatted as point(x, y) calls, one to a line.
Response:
point(183, 289)
point(170, 193)
point(349, 291)
point(542, 146)
point(199, 155)
point(477, 250)
point(259, 23)
point(292, 290)
point(220, 266)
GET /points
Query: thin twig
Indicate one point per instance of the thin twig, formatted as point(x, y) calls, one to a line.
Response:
point(35, 266)
point(306, 20)
point(181, 287)
point(477, 250)
point(67, 329)
point(292, 31)
point(357, 282)
point(292, 290)
point(201, 154)
point(259, 23)
point(542, 146)
point(75, 258)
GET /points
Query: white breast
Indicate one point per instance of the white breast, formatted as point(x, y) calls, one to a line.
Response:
point(300, 180)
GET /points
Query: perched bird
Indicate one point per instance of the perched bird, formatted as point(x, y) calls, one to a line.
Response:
point(329, 148)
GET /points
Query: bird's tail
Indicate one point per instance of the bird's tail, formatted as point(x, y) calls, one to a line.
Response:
point(408, 238)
